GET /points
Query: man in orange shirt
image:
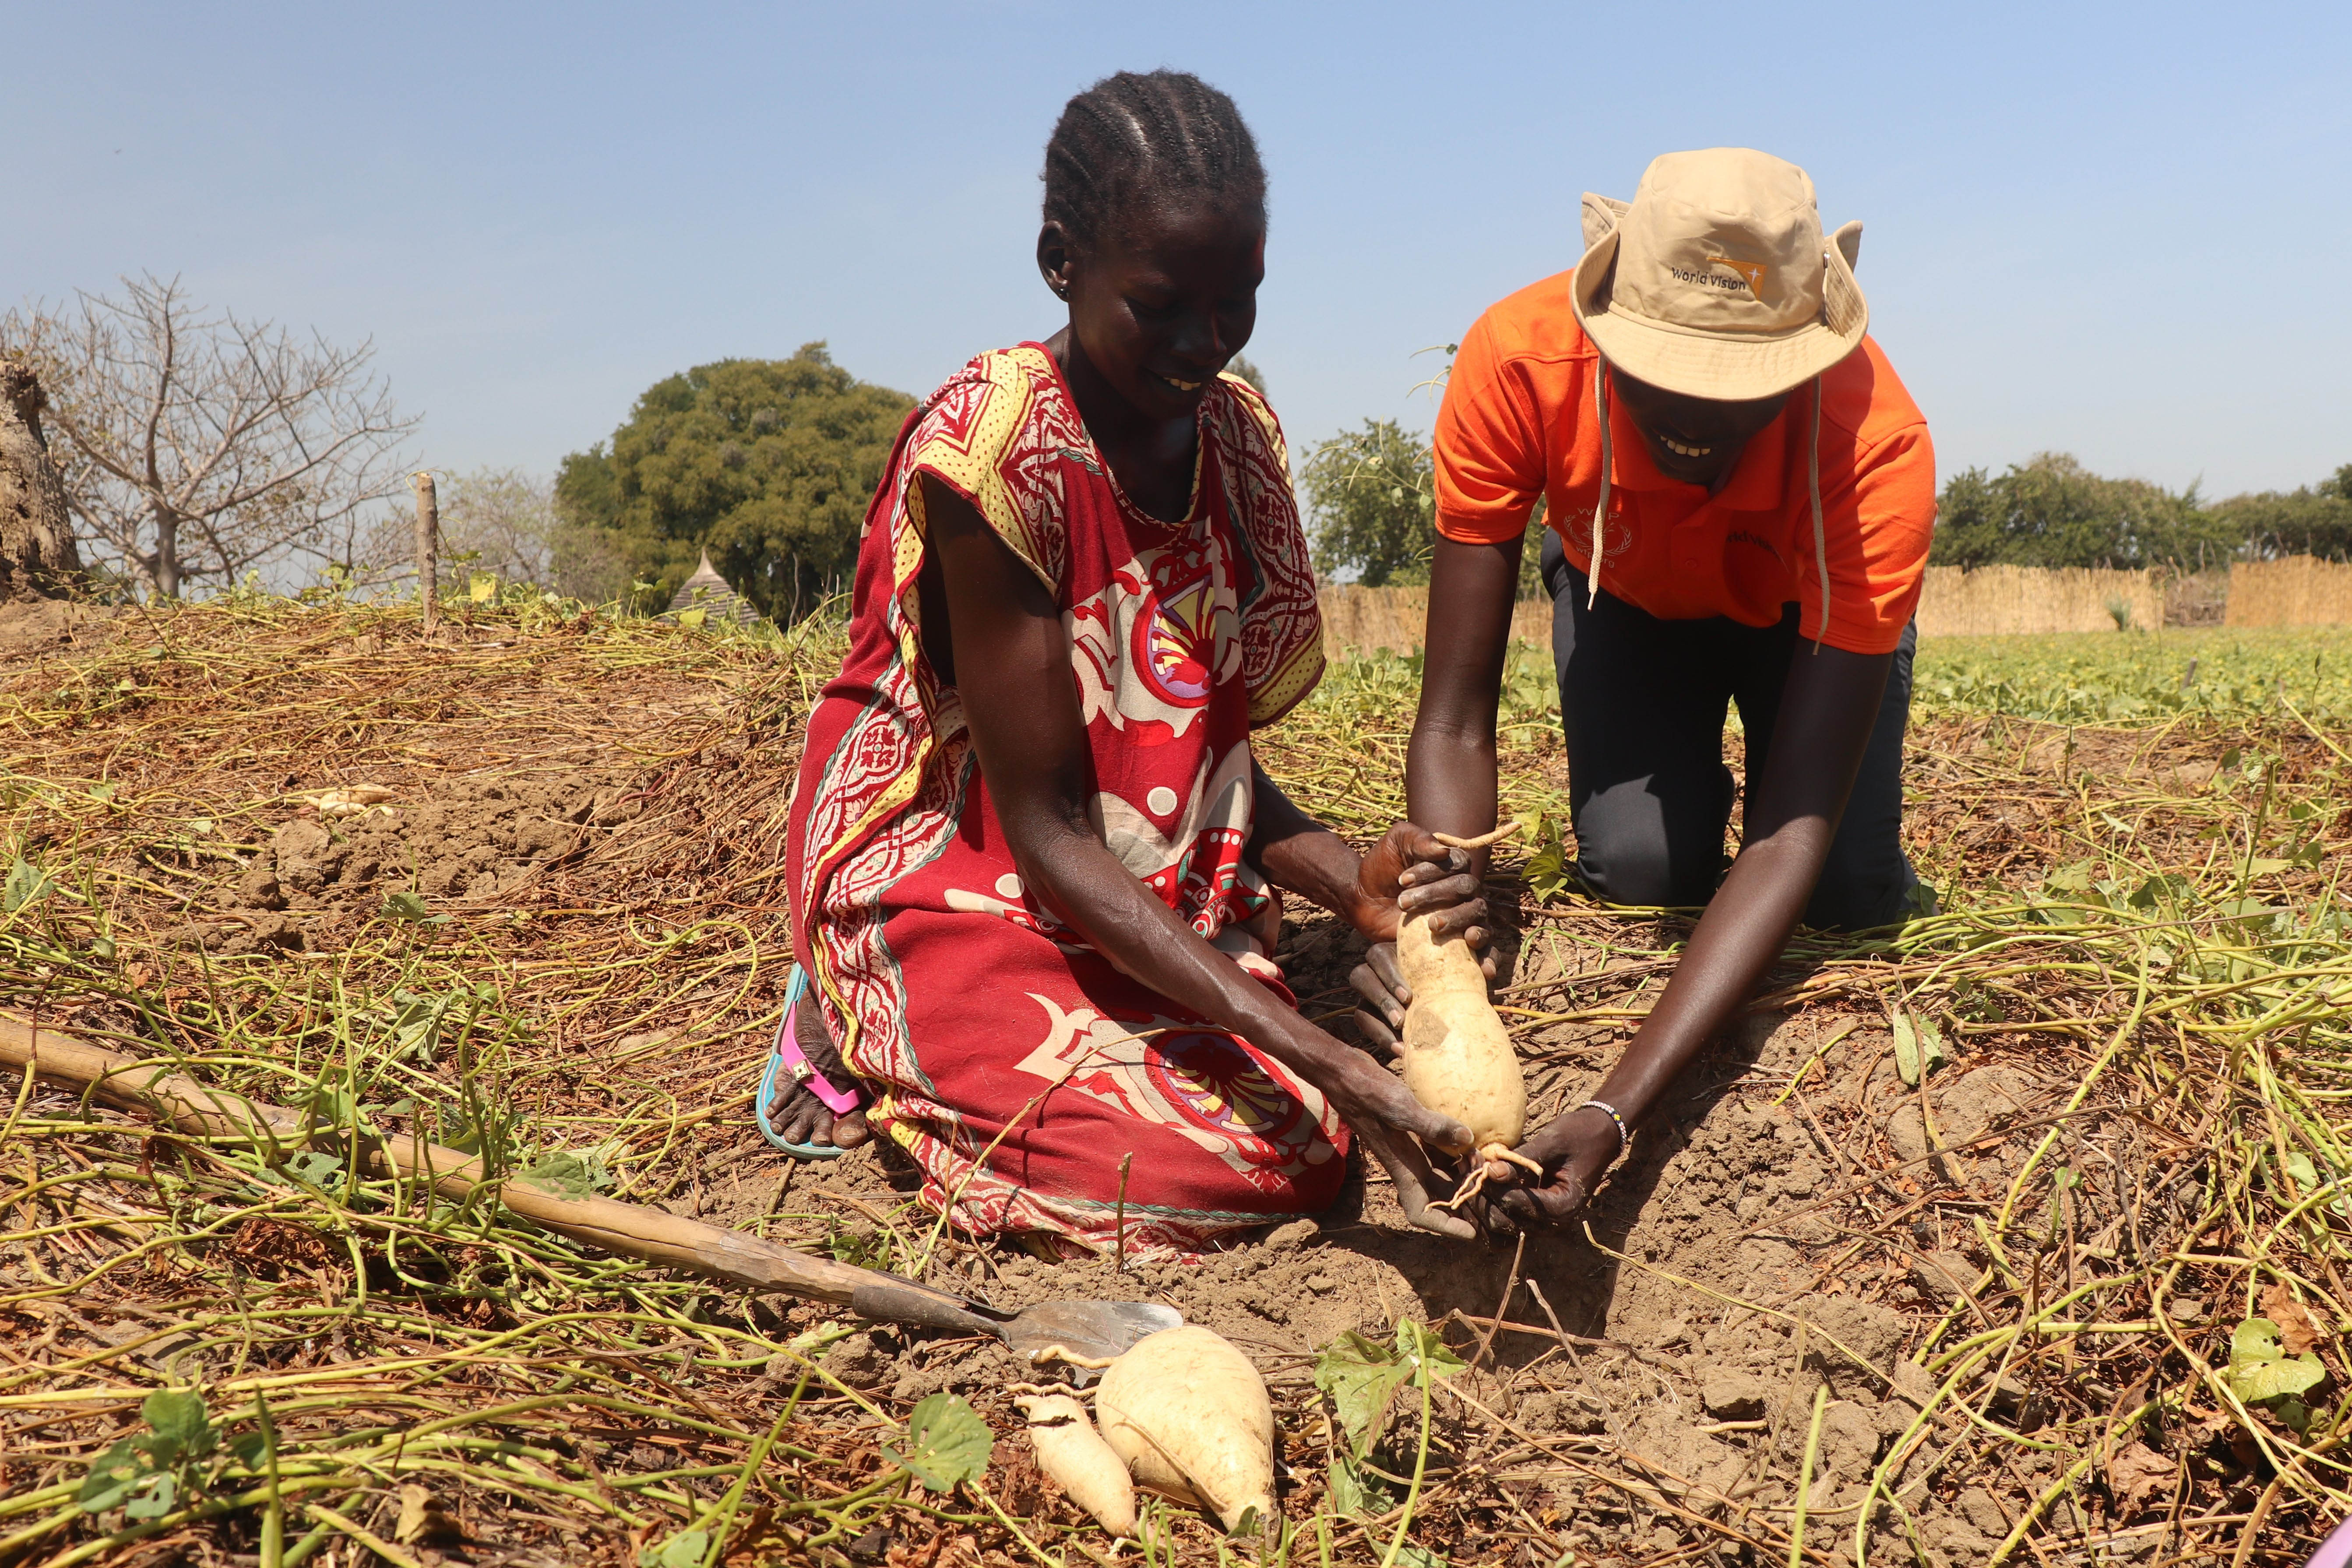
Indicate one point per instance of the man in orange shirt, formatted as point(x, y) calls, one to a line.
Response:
point(1742, 495)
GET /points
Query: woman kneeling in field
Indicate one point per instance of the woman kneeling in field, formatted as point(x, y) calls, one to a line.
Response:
point(1033, 864)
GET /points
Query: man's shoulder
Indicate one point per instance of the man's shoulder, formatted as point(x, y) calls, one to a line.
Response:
point(1862, 395)
point(1537, 323)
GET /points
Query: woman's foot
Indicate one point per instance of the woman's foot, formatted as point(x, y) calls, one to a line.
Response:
point(796, 1114)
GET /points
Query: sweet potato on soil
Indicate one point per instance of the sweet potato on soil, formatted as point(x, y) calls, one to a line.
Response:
point(1190, 1415)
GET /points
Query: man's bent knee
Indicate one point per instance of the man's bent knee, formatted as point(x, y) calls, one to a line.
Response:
point(1862, 902)
point(1628, 853)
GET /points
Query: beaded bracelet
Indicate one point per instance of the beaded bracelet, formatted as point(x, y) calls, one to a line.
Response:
point(1624, 1137)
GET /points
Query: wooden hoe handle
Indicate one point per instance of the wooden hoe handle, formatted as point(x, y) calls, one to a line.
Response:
point(631, 1230)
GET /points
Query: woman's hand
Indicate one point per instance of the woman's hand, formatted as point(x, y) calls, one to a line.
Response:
point(1382, 1112)
point(1408, 872)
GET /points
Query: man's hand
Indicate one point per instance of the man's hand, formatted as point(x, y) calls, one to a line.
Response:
point(1575, 1151)
point(1408, 872)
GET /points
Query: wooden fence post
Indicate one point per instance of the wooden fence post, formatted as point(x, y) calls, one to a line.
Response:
point(428, 548)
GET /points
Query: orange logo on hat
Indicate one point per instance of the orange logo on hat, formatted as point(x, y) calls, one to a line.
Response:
point(1754, 271)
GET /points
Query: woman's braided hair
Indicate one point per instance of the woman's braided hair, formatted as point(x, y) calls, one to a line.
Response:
point(1137, 137)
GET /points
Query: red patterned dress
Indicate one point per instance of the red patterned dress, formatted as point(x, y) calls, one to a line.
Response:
point(1011, 1061)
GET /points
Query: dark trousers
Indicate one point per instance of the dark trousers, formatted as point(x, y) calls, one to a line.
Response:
point(1642, 703)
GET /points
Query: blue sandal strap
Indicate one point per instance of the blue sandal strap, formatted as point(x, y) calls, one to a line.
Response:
point(764, 1100)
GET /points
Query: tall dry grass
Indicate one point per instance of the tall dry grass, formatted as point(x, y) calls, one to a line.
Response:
point(1957, 602)
point(1361, 620)
point(2300, 591)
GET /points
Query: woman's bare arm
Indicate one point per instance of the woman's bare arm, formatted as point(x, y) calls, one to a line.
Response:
point(1030, 736)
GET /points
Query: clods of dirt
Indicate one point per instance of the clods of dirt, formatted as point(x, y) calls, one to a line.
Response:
point(470, 841)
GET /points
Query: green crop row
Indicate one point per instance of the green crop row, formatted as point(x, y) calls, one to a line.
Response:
point(2133, 678)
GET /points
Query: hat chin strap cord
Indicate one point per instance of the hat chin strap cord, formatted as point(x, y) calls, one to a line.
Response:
point(1608, 467)
point(1821, 535)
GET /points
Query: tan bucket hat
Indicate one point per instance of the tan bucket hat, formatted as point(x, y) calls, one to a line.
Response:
point(1714, 280)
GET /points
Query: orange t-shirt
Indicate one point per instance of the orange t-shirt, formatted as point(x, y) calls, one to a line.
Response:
point(1518, 423)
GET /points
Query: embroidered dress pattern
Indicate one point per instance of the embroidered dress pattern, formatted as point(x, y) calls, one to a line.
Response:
point(1012, 1062)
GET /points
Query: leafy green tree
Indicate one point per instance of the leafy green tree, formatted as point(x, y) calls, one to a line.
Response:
point(1373, 497)
point(2315, 519)
point(2052, 511)
point(767, 463)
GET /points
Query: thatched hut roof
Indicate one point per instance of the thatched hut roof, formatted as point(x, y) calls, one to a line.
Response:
point(708, 592)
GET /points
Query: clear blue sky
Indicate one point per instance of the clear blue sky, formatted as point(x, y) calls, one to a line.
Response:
point(2124, 231)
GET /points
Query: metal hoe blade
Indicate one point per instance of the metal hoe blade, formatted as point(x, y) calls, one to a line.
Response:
point(1081, 1330)
point(1097, 1329)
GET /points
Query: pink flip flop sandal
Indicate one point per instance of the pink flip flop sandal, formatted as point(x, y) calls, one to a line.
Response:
point(787, 1063)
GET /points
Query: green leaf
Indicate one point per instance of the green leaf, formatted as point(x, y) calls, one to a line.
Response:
point(155, 1501)
point(1414, 1556)
point(183, 1428)
point(2074, 878)
point(117, 1473)
point(26, 883)
point(313, 1168)
point(692, 619)
point(947, 1443)
point(1546, 868)
point(687, 1549)
point(411, 907)
point(1355, 1493)
point(1425, 1352)
point(2274, 1379)
point(330, 1103)
point(1360, 1377)
point(1919, 1046)
point(2162, 889)
point(575, 1175)
point(859, 1248)
point(482, 588)
point(2260, 1368)
point(416, 1020)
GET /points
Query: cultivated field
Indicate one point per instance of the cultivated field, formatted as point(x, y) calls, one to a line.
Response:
point(2018, 1234)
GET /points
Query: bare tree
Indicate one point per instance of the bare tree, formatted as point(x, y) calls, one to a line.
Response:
point(200, 447)
point(499, 520)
